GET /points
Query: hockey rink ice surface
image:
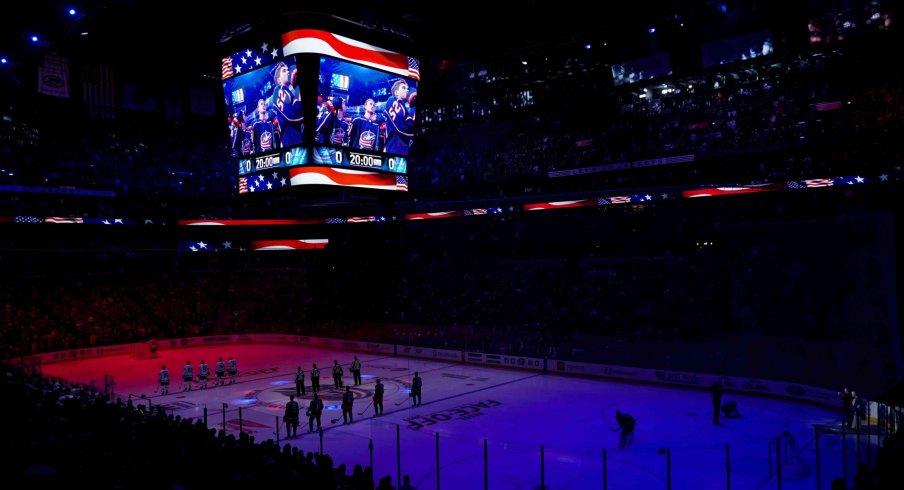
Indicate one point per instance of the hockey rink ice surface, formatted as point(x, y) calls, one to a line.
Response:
point(511, 414)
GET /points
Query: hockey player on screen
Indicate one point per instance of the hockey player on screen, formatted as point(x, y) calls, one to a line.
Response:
point(330, 122)
point(332, 129)
point(287, 105)
point(263, 132)
point(365, 129)
point(399, 114)
point(239, 135)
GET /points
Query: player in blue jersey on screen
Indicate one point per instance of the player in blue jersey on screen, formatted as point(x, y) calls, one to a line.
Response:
point(287, 105)
point(399, 114)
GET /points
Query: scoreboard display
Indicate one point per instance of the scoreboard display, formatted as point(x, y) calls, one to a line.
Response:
point(313, 98)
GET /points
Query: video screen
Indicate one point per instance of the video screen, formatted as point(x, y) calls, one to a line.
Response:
point(265, 117)
point(360, 126)
point(738, 48)
point(365, 117)
point(655, 66)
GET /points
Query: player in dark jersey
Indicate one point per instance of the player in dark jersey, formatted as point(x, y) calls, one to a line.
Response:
point(239, 135)
point(287, 105)
point(378, 397)
point(290, 417)
point(315, 378)
point(331, 111)
point(263, 133)
point(626, 424)
point(315, 410)
point(399, 119)
point(348, 401)
point(364, 133)
point(417, 386)
point(331, 130)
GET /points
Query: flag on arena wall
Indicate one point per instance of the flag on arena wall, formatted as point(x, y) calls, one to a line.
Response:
point(53, 76)
point(317, 41)
point(98, 84)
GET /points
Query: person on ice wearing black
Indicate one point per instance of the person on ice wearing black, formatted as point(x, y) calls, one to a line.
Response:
point(299, 382)
point(378, 398)
point(626, 424)
point(348, 399)
point(290, 417)
point(416, 386)
point(315, 410)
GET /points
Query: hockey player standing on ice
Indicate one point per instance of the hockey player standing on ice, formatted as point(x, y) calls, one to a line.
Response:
point(716, 390)
point(315, 378)
point(220, 371)
point(299, 382)
point(290, 417)
point(203, 374)
point(188, 373)
point(337, 374)
point(416, 385)
point(315, 410)
point(356, 371)
point(233, 369)
point(378, 398)
point(348, 399)
point(163, 378)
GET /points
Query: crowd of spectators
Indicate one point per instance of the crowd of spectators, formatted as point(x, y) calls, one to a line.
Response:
point(63, 429)
point(681, 285)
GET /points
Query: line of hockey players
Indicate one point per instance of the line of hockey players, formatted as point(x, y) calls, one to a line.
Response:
point(221, 369)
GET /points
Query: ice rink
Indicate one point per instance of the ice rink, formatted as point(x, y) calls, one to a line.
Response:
point(499, 428)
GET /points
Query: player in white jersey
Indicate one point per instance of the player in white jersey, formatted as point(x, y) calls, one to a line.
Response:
point(188, 373)
point(233, 370)
point(203, 374)
point(163, 378)
point(220, 372)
